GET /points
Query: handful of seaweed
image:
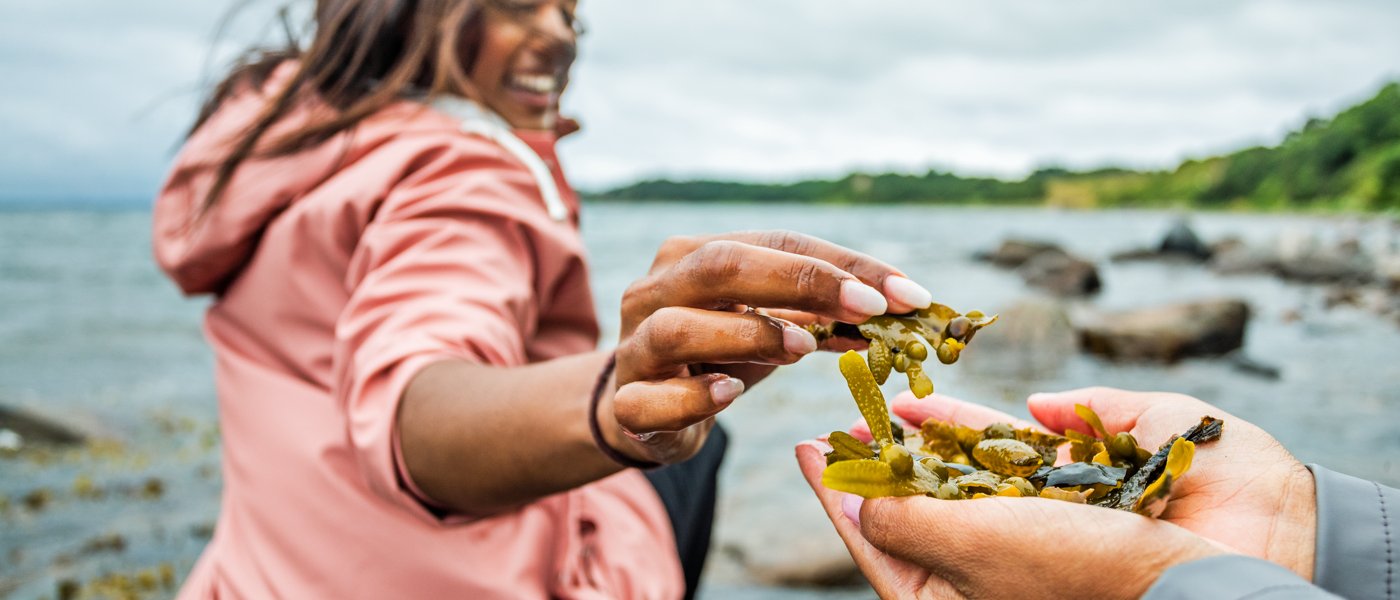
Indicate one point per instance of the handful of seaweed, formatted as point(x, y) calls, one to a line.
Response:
point(952, 462)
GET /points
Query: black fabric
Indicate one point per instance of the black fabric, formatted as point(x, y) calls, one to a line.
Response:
point(688, 490)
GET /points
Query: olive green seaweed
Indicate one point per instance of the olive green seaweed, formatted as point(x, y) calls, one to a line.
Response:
point(897, 341)
point(951, 461)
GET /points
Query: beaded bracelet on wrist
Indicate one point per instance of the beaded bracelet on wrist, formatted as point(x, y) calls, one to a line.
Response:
point(596, 429)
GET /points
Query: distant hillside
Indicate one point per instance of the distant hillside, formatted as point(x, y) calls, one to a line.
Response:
point(933, 187)
point(1351, 162)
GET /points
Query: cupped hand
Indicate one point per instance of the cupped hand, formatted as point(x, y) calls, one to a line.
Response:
point(717, 314)
point(1244, 494)
point(1244, 491)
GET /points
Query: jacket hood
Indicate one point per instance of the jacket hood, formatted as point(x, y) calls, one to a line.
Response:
point(201, 250)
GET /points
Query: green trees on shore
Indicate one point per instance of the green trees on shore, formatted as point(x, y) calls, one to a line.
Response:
point(1350, 162)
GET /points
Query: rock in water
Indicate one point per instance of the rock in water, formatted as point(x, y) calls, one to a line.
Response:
point(765, 540)
point(1032, 339)
point(1388, 272)
point(1013, 252)
point(1167, 334)
point(1244, 260)
point(1061, 274)
point(1182, 241)
point(34, 429)
point(1250, 366)
point(1323, 266)
point(814, 559)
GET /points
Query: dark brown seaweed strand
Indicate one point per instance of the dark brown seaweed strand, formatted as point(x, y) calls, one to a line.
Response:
point(846, 330)
point(1208, 431)
point(1126, 497)
point(835, 330)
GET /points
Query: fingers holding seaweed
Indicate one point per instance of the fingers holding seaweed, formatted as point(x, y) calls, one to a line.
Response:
point(805, 319)
point(676, 337)
point(649, 407)
point(903, 294)
point(724, 273)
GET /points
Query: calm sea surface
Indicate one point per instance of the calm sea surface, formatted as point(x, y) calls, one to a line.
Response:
point(92, 334)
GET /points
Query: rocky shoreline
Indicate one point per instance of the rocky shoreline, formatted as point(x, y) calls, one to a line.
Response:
point(136, 493)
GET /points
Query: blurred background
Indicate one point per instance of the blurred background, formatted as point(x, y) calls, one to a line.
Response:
point(1192, 196)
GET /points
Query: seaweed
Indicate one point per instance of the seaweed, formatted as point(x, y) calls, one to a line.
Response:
point(897, 342)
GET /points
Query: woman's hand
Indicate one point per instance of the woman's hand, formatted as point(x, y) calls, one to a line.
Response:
point(717, 314)
point(1244, 493)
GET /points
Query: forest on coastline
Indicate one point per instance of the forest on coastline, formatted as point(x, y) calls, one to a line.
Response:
point(1350, 162)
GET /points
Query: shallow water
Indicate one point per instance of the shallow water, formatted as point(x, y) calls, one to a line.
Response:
point(92, 334)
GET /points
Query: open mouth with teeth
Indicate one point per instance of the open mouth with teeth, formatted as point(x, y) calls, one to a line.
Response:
point(540, 90)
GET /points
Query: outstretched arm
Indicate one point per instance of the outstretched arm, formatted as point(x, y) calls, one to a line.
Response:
point(480, 439)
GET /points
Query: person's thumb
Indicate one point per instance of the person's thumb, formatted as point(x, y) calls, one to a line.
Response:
point(1118, 409)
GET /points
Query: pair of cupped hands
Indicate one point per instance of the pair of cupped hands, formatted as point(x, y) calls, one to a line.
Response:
point(717, 314)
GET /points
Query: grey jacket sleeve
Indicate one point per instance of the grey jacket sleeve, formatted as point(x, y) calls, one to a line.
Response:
point(1358, 536)
point(1232, 576)
point(1358, 553)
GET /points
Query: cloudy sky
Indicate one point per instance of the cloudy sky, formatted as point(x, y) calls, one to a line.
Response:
point(97, 93)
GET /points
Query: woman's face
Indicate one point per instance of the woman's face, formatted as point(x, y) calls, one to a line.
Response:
point(522, 62)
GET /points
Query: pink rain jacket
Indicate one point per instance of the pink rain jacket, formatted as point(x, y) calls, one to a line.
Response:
point(339, 273)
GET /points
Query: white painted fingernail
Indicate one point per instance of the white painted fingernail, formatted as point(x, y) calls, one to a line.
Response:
point(902, 289)
point(850, 505)
point(1044, 397)
point(797, 340)
point(863, 299)
point(724, 391)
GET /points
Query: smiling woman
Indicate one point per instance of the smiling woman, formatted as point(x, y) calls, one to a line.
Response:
point(411, 397)
point(513, 56)
point(523, 63)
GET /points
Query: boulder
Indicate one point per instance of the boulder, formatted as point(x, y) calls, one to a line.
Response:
point(1327, 266)
point(1032, 340)
point(1167, 334)
point(771, 530)
point(1013, 253)
point(814, 559)
point(1244, 260)
point(778, 537)
point(1182, 241)
point(1061, 274)
point(1310, 264)
point(1388, 272)
point(31, 429)
point(1250, 366)
point(1228, 244)
point(1374, 299)
point(1135, 254)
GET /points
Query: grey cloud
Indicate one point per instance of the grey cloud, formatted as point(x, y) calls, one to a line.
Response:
point(98, 93)
point(992, 87)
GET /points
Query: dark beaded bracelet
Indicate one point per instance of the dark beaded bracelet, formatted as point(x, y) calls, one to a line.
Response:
point(597, 429)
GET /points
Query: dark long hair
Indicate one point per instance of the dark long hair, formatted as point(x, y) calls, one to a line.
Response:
point(365, 54)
